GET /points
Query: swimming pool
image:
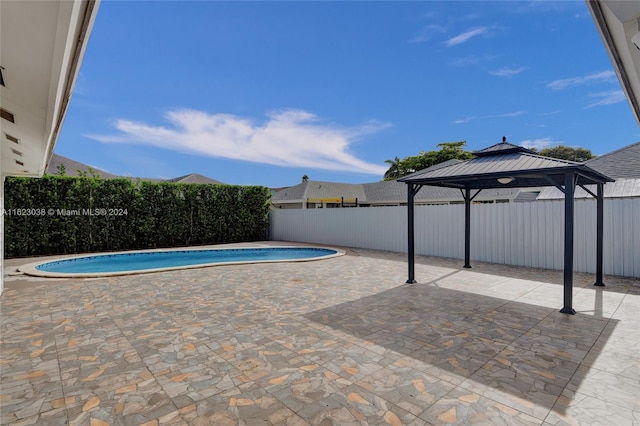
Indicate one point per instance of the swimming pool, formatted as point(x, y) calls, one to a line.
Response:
point(138, 262)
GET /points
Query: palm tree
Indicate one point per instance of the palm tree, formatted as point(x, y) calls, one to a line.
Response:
point(394, 169)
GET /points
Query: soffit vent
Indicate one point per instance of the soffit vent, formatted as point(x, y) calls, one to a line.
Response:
point(20, 163)
point(2, 77)
point(7, 115)
point(12, 139)
point(16, 152)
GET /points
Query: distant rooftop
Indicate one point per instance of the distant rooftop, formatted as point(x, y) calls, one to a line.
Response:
point(75, 168)
point(384, 193)
point(623, 163)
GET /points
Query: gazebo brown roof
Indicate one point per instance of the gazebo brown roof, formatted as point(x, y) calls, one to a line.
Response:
point(505, 165)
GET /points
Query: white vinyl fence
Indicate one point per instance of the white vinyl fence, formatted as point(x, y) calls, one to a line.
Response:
point(524, 234)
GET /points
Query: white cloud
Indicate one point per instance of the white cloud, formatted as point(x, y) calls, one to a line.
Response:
point(604, 76)
point(509, 114)
point(608, 97)
point(540, 143)
point(461, 38)
point(463, 120)
point(486, 117)
point(289, 138)
point(424, 34)
point(471, 60)
point(507, 72)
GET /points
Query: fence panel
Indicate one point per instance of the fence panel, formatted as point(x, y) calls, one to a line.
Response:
point(522, 234)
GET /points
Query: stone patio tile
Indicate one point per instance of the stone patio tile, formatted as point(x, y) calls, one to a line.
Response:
point(522, 379)
point(464, 407)
point(616, 390)
point(628, 309)
point(307, 390)
point(581, 329)
point(579, 409)
point(510, 289)
point(545, 295)
point(597, 302)
point(408, 388)
point(307, 340)
point(395, 341)
point(354, 361)
point(618, 336)
point(129, 405)
point(515, 317)
point(255, 407)
point(197, 378)
point(623, 363)
point(462, 355)
point(291, 344)
point(264, 361)
point(338, 403)
point(470, 281)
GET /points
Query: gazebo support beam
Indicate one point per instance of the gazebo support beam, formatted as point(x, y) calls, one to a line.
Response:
point(569, 189)
point(467, 228)
point(599, 235)
point(411, 193)
point(467, 224)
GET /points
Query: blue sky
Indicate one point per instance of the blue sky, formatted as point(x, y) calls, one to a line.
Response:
point(262, 93)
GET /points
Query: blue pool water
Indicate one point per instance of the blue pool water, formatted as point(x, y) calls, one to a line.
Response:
point(140, 261)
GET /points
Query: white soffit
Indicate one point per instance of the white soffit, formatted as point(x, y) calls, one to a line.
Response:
point(41, 48)
point(618, 22)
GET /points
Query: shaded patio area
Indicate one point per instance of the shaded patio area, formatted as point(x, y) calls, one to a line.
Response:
point(338, 341)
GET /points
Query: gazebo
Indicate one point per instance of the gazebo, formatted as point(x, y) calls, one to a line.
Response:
point(505, 165)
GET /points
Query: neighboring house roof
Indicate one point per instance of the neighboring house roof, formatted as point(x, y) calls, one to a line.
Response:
point(292, 193)
point(194, 178)
point(72, 168)
point(384, 192)
point(526, 197)
point(622, 164)
point(396, 192)
point(318, 189)
point(621, 188)
point(152, 180)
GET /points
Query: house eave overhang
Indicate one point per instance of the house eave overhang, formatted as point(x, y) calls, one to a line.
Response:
point(42, 44)
point(617, 22)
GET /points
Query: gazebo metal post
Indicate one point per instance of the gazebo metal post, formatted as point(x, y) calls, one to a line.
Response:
point(599, 235)
point(569, 188)
point(410, 239)
point(467, 227)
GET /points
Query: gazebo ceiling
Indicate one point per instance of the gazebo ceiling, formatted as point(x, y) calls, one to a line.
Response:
point(514, 166)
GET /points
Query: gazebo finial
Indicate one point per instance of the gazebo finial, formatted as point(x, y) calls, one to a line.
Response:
point(504, 139)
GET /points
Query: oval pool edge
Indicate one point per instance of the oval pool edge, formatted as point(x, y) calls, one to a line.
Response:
point(30, 268)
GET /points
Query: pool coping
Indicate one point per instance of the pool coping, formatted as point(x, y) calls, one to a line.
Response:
point(30, 268)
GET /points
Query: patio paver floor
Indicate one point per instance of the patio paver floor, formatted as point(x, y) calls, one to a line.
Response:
point(337, 341)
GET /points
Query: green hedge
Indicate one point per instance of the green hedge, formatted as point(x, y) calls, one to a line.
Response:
point(61, 215)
